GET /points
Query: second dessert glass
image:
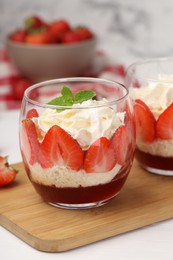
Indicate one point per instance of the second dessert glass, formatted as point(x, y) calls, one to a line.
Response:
point(77, 140)
point(151, 85)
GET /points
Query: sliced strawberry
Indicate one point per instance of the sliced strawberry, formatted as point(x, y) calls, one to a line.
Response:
point(32, 113)
point(59, 147)
point(100, 157)
point(49, 153)
point(145, 122)
point(30, 144)
point(120, 143)
point(164, 125)
point(7, 173)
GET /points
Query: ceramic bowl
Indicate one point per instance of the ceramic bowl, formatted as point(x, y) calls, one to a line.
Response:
point(44, 62)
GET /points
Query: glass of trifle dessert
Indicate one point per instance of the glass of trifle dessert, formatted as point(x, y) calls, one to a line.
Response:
point(151, 86)
point(77, 140)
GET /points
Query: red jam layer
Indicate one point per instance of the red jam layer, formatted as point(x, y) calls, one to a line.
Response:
point(154, 161)
point(82, 194)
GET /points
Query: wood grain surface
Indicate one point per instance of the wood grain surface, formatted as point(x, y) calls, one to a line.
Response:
point(145, 199)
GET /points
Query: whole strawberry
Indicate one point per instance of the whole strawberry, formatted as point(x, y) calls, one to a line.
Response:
point(84, 33)
point(7, 173)
point(18, 36)
point(39, 38)
point(58, 28)
point(34, 22)
point(70, 37)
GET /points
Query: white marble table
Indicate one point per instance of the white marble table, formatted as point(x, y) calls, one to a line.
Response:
point(149, 243)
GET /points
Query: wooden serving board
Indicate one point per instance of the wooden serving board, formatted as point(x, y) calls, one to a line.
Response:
point(145, 199)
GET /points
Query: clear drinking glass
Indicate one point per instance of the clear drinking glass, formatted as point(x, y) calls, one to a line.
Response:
point(151, 85)
point(77, 154)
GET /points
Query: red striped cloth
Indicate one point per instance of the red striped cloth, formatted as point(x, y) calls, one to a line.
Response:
point(100, 67)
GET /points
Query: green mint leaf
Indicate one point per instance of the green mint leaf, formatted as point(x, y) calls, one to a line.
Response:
point(60, 101)
point(57, 101)
point(66, 92)
point(67, 98)
point(83, 95)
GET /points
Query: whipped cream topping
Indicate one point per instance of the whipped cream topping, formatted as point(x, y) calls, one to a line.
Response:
point(61, 176)
point(157, 95)
point(84, 125)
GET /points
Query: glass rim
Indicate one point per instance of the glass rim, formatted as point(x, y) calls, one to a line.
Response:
point(75, 79)
point(149, 61)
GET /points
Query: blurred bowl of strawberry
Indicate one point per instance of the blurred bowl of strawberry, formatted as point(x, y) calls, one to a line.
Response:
point(43, 50)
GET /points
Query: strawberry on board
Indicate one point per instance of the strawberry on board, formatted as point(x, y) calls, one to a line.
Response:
point(30, 145)
point(7, 173)
point(100, 157)
point(59, 147)
point(18, 36)
point(145, 122)
point(120, 143)
point(164, 125)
